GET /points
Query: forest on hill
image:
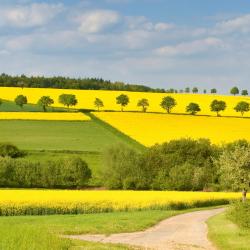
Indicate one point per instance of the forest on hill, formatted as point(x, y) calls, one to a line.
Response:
point(60, 82)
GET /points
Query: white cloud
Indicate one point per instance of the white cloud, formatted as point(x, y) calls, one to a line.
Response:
point(36, 14)
point(163, 26)
point(98, 20)
point(190, 48)
point(141, 22)
point(239, 24)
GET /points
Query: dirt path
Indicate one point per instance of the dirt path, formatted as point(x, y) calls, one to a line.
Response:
point(182, 232)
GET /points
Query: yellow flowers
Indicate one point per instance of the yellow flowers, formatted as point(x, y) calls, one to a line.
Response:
point(86, 99)
point(149, 129)
point(36, 202)
point(44, 116)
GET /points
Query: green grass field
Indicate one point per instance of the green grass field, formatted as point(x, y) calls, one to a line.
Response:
point(8, 106)
point(48, 140)
point(226, 235)
point(41, 232)
point(58, 135)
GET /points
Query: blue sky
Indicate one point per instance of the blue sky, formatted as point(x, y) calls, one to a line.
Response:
point(161, 43)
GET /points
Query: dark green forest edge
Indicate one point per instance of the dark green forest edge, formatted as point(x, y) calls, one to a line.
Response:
point(70, 83)
point(60, 82)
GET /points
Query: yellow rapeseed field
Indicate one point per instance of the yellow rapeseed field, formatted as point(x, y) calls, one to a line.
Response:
point(22, 202)
point(44, 116)
point(149, 129)
point(86, 99)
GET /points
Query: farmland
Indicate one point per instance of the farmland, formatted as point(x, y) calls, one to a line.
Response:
point(115, 138)
point(45, 116)
point(149, 129)
point(86, 99)
point(35, 202)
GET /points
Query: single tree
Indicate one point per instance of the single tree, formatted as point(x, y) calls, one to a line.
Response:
point(204, 91)
point(144, 104)
point(21, 100)
point(213, 91)
point(67, 100)
point(234, 91)
point(44, 102)
point(234, 168)
point(122, 100)
point(218, 106)
point(187, 90)
point(195, 90)
point(98, 103)
point(168, 103)
point(244, 92)
point(193, 108)
point(242, 107)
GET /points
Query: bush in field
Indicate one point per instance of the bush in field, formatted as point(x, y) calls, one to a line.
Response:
point(242, 107)
point(143, 103)
point(67, 100)
point(195, 90)
point(193, 108)
point(244, 92)
point(98, 103)
point(66, 173)
point(9, 150)
point(218, 106)
point(234, 91)
point(168, 103)
point(122, 100)
point(239, 213)
point(21, 100)
point(44, 102)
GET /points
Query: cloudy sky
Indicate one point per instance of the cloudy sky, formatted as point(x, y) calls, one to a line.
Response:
point(161, 43)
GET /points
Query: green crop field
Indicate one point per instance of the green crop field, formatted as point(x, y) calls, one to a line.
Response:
point(57, 135)
point(49, 140)
point(8, 106)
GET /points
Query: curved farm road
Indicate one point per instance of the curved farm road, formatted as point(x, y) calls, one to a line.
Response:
point(182, 232)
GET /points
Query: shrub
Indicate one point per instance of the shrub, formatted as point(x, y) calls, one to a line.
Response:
point(120, 165)
point(180, 164)
point(10, 150)
point(239, 213)
point(65, 173)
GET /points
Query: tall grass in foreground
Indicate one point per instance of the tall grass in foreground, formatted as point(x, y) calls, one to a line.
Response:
point(41, 202)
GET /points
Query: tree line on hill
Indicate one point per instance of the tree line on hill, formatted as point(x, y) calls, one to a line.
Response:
point(71, 83)
point(60, 82)
point(167, 103)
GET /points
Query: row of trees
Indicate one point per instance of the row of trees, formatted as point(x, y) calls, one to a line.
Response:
point(167, 103)
point(67, 100)
point(183, 164)
point(234, 91)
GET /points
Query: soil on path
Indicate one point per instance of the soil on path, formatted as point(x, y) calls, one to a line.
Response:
point(182, 232)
